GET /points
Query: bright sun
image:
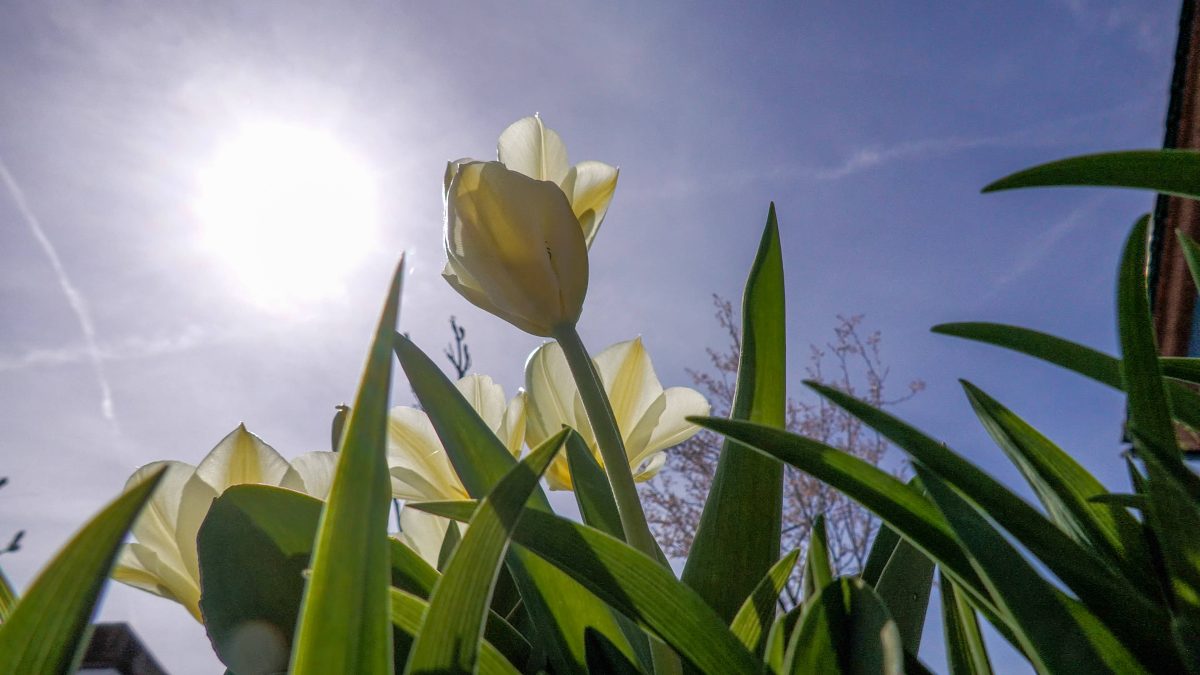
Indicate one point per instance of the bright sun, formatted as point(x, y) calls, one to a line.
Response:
point(290, 212)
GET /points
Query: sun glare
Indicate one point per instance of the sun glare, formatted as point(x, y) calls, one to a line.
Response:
point(289, 211)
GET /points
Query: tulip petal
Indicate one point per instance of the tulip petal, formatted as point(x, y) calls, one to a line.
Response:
point(630, 381)
point(423, 533)
point(141, 567)
point(486, 397)
point(451, 170)
point(551, 394)
point(521, 243)
point(531, 148)
point(512, 431)
point(155, 526)
point(416, 459)
point(194, 502)
point(316, 471)
point(241, 457)
point(673, 427)
point(462, 281)
point(650, 468)
point(590, 186)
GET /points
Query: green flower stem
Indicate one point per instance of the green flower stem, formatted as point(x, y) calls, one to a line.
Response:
point(616, 464)
point(608, 437)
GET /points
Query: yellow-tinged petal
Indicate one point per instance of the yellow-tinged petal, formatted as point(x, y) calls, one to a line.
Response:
point(516, 245)
point(590, 186)
point(630, 381)
point(451, 171)
point(316, 470)
point(423, 533)
point(420, 469)
point(141, 567)
point(512, 431)
point(650, 419)
point(241, 457)
point(194, 503)
point(530, 147)
point(486, 397)
point(551, 393)
point(155, 527)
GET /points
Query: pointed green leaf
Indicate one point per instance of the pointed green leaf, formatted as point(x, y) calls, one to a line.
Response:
point(1191, 255)
point(1124, 500)
point(449, 639)
point(818, 573)
point(845, 628)
point(1053, 634)
point(598, 507)
point(737, 540)
point(408, 614)
point(901, 506)
point(8, 598)
point(881, 551)
point(1088, 575)
point(1173, 172)
point(1185, 403)
point(593, 493)
point(345, 624)
point(775, 648)
point(559, 608)
point(630, 582)
point(254, 545)
point(48, 629)
point(904, 586)
point(449, 543)
point(604, 657)
point(966, 652)
point(758, 611)
point(1064, 487)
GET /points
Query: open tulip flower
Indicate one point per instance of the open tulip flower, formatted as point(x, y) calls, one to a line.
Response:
point(163, 559)
point(420, 469)
point(517, 230)
point(650, 418)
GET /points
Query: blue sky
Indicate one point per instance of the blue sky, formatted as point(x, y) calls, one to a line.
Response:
point(871, 125)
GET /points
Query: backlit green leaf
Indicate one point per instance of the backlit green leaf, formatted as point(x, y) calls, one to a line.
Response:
point(966, 652)
point(48, 629)
point(818, 573)
point(845, 628)
point(752, 621)
point(345, 624)
point(737, 540)
point(449, 639)
point(408, 614)
point(1173, 172)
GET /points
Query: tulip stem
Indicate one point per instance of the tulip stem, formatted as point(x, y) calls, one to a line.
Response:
point(608, 438)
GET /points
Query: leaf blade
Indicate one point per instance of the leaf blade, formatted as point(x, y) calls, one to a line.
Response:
point(728, 558)
point(345, 623)
point(47, 630)
point(1173, 172)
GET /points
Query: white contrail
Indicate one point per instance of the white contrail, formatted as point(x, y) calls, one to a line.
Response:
point(74, 297)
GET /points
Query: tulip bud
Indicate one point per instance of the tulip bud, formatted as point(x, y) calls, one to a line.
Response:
point(514, 247)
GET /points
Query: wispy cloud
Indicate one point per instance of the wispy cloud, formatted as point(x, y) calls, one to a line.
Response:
point(1036, 251)
point(126, 349)
point(74, 298)
point(871, 157)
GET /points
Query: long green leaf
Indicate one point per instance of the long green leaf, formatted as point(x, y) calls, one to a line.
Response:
point(1090, 576)
point(901, 506)
point(630, 582)
point(48, 629)
point(254, 545)
point(1098, 366)
point(593, 493)
point(1051, 633)
point(752, 621)
point(904, 587)
point(818, 572)
point(345, 624)
point(560, 609)
point(1173, 172)
point(966, 652)
point(408, 614)
point(845, 628)
point(598, 507)
point(449, 639)
point(737, 540)
point(604, 657)
point(775, 650)
point(8, 597)
point(1065, 488)
point(881, 551)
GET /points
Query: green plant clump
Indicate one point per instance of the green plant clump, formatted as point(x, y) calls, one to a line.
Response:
point(1091, 581)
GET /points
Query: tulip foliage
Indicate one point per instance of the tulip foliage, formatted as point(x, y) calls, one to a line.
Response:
point(290, 565)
